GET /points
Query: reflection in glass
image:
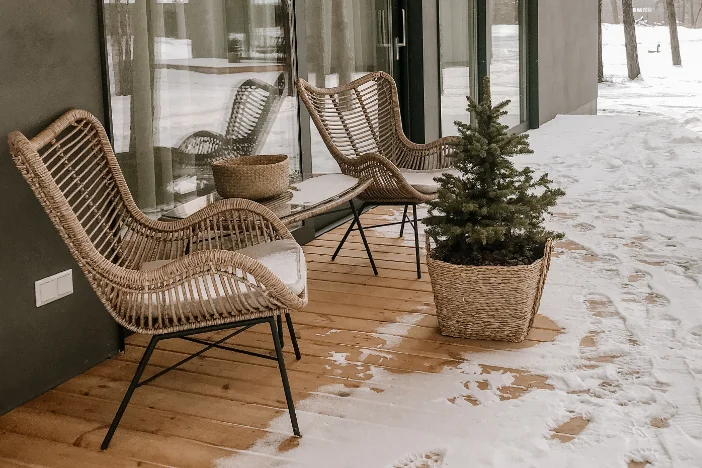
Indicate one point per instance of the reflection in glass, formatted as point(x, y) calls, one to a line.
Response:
point(192, 80)
point(504, 56)
point(345, 40)
point(456, 20)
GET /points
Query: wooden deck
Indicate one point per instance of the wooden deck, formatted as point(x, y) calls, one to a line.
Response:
point(223, 402)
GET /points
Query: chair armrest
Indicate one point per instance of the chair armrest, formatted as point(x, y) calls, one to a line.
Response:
point(202, 287)
point(427, 156)
point(229, 224)
point(384, 173)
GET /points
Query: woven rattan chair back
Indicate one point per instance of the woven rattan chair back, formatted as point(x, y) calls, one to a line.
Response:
point(75, 175)
point(252, 113)
point(357, 118)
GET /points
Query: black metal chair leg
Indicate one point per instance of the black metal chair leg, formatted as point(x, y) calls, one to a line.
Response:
point(130, 391)
point(404, 218)
point(293, 338)
point(416, 240)
point(284, 377)
point(365, 241)
point(348, 231)
point(280, 331)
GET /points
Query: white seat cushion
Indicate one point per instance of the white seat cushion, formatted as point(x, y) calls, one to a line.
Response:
point(284, 258)
point(423, 181)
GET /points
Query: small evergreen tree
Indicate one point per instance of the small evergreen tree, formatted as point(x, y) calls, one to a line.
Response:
point(492, 213)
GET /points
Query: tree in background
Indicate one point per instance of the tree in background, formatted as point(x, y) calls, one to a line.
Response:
point(615, 11)
point(632, 53)
point(600, 65)
point(673, 28)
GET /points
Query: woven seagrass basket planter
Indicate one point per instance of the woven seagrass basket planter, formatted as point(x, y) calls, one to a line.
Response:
point(488, 302)
point(252, 177)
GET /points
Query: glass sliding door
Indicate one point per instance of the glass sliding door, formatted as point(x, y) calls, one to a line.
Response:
point(458, 65)
point(506, 57)
point(345, 39)
point(192, 80)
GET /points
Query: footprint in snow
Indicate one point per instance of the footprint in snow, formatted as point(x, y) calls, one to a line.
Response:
point(430, 459)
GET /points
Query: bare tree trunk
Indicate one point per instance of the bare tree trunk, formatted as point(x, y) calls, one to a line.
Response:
point(632, 53)
point(600, 65)
point(615, 11)
point(673, 27)
point(692, 13)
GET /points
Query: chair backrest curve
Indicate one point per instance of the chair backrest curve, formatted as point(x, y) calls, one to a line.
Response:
point(254, 108)
point(72, 170)
point(356, 118)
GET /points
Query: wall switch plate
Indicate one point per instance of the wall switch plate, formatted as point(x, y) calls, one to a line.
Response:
point(54, 287)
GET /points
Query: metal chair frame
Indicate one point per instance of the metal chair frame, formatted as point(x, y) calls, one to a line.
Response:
point(240, 326)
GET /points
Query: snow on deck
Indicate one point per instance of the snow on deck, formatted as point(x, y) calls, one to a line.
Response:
point(625, 371)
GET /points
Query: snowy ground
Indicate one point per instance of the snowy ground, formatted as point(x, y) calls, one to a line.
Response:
point(663, 90)
point(630, 282)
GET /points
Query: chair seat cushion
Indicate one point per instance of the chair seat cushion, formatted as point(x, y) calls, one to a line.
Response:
point(284, 258)
point(423, 181)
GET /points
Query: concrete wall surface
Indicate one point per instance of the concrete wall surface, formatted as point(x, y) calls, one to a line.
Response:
point(567, 57)
point(49, 63)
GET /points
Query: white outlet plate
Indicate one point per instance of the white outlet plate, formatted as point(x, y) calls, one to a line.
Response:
point(54, 287)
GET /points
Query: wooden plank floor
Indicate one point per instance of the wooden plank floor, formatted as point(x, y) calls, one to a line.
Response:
point(222, 403)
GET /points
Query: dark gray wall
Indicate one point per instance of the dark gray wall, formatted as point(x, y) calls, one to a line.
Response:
point(49, 63)
point(567, 58)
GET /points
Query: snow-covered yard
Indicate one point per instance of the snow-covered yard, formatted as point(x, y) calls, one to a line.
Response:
point(625, 287)
point(663, 90)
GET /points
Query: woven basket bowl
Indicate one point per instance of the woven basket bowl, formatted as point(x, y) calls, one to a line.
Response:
point(252, 177)
point(488, 302)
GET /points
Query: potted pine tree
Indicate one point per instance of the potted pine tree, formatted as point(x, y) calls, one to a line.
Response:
point(491, 250)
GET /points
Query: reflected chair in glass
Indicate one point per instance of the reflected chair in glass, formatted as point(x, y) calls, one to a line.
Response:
point(254, 109)
point(361, 126)
point(226, 268)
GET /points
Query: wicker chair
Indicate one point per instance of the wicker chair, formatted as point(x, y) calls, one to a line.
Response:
point(232, 265)
point(361, 126)
point(253, 111)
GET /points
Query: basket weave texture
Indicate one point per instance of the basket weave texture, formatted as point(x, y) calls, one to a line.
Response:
point(252, 177)
point(488, 302)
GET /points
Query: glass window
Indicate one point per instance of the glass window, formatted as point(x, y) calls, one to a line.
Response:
point(345, 40)
point(505, 57)
point(193, 80)
point(458, 68)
